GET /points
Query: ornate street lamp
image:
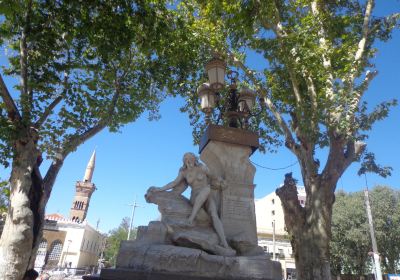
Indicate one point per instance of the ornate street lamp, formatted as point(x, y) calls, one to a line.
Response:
point(238, 105)
point(207, 100)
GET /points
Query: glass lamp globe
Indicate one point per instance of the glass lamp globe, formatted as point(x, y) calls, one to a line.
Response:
point(207, 97)
point(247, 98)
point(216, 73)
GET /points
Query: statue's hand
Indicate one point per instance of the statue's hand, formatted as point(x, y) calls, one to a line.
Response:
point(219, 184)
point(223, 184)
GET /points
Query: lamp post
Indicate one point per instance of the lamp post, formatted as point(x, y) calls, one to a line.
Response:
point(238, 103)
point(374, 254)
point(273, 241)
point(66, 253)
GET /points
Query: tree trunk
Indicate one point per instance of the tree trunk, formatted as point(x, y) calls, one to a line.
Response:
point(20, 228)
point(309, 227)
point(40, 202)
point(36, 196)
point(312, 259)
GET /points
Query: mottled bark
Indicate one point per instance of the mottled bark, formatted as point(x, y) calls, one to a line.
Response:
point(18, 235)
point(309, 227)
point(29, 195)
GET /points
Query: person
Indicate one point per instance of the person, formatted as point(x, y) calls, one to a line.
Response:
point(30, 274)
point(197, 176)
point(45, 276)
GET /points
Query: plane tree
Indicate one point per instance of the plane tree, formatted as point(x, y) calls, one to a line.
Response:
point(77, 67)
point(314, 64)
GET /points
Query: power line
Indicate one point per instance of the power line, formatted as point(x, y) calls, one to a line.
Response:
point(275, 169)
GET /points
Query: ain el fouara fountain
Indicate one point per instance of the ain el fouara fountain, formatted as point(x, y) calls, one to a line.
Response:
point(212, 234)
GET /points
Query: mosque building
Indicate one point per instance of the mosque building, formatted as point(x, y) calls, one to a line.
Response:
point(71, 242)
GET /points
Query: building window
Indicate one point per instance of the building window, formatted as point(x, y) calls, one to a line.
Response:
point(273, 212)
point(280, 251)
point(273, 201)
point(42, 248)
point(55, 250)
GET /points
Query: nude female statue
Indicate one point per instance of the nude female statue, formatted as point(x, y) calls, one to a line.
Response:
point(198, 177)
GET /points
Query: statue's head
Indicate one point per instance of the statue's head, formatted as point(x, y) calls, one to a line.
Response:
point(190, 160)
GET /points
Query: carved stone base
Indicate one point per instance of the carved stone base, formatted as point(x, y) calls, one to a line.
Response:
point(125, 274)
point(156, 261)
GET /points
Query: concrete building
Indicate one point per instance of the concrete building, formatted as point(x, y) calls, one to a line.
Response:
point(271, 226)
point(71, 242)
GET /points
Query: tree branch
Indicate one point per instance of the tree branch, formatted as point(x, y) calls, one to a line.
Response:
point(341, 154)
point(58, 99)
point(50, 178)
point(77, 140)
point(313, 97)
point(26, 94)
point(278, 27)
point(294, 213)
point(353, 151)
point(361, 44)
point(12, 109)
point(290, 142)
point(327, 64)
point(357, 94)
point(49, 109)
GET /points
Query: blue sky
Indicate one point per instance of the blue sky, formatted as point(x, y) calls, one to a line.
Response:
point(145, 154)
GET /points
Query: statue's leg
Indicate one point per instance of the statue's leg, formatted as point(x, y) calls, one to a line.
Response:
point(198, 203)
point(212, 210)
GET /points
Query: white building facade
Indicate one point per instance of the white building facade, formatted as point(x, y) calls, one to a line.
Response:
point(68, 244)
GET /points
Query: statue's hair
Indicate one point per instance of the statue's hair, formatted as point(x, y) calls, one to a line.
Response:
point(196, 160)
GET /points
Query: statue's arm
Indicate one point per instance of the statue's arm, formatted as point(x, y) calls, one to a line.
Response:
point(174, 183)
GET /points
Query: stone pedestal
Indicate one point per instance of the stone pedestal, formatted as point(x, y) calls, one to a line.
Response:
point(170, 249)
point(158, 261)
point(226, 152)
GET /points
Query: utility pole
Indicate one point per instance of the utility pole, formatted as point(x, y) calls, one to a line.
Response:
point(273, 240)
point(375, 253)
point(134, 206)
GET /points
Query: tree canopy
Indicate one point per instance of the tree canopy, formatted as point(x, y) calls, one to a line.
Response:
point(82, 66)
point(351, 240)
point(315, 63)
point(88, 65)
point(114, 238)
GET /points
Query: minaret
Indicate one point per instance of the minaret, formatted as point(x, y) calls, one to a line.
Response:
point(90, 168)
point(83, 192)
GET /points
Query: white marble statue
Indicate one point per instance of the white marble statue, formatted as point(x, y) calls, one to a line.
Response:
point(204, 191)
